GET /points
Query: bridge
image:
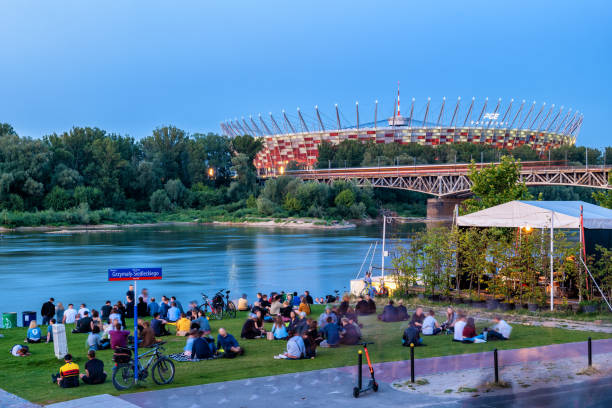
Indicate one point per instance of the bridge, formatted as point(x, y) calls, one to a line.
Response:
point(450, 183)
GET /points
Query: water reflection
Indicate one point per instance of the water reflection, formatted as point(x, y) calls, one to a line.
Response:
point(72, 267)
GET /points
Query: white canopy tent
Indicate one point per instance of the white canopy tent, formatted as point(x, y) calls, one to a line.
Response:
point(543, 214)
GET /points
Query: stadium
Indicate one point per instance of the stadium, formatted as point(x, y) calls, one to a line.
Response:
point(295, 138)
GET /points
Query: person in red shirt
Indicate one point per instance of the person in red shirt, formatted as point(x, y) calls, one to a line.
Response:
point(469, 331)
point(118, 337)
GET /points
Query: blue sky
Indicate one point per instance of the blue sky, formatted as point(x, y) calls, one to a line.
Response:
point(129, 67)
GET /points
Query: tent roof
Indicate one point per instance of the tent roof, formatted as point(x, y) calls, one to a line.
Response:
point(537, 214)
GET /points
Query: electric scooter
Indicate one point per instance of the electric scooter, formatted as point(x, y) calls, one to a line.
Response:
point(372, 384)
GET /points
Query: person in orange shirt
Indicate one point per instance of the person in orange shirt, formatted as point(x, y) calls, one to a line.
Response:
point(183, 325)
point(304, 307)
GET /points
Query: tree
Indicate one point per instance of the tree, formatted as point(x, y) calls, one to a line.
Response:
point(58, 199)
point(177, 193)
point(604, 198)
point(496, 184)
point(246, 179)
point(166, 148)
point(160, 202)
point(246, 145)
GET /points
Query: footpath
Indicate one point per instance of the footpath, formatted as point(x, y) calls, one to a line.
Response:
point(322, 387)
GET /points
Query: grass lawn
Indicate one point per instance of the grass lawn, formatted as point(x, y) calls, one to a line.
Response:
point(30, 377)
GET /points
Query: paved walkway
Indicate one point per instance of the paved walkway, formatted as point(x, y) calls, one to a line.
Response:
point(326, 386)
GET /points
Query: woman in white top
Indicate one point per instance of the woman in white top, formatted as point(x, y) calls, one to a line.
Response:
point(459, 326)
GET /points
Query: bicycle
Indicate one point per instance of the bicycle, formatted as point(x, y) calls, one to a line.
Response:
point(209, 310)
point(225, 306)
point(162, 369)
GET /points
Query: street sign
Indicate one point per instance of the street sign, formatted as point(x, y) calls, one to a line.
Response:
point(135, 274)
point(125, 274)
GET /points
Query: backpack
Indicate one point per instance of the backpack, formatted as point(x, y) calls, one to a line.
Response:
point(122, 355)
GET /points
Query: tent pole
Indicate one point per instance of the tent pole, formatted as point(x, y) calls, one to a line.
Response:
point(552, 285)
point(383, 246)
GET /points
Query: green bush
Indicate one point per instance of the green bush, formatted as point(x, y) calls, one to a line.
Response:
point(160, 202)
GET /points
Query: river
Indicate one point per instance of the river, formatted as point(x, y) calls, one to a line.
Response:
point(72, 268)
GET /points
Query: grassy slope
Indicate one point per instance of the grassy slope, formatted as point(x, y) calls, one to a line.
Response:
point(30, 377)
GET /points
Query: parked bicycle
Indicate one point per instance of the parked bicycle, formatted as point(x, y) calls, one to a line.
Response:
point(209, 310)
point(162, 368)
point(224, 305)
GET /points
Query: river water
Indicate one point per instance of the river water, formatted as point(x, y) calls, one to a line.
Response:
point(72, 268)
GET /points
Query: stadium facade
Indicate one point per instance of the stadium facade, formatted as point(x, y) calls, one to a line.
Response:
point(500, 125)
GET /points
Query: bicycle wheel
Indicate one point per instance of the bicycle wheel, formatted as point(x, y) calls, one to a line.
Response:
point(230, 310)
point(163, 371)
point(123, 377)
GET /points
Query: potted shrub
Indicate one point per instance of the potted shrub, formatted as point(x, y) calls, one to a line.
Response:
point(478, 302)
point(506, 305)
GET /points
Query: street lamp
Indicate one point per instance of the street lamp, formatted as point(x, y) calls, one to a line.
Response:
point(281, 170)
point(211, 172)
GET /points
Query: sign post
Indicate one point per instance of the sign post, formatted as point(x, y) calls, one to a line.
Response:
point(135, 274)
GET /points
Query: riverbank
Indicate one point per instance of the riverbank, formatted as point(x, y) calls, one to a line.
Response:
point(295, 223)
point(258, 359)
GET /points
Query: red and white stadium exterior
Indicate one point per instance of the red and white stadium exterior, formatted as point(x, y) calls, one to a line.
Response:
point(541, 128)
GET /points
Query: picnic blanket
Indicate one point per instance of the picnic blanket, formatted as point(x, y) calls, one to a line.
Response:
point(181, 358)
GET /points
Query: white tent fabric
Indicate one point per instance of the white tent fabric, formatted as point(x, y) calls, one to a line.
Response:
point(537, 214)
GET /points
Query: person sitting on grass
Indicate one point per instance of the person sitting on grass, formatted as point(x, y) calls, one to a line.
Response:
point(295, 348)
point(50, 331)
point(202, 323)
point(20, 351)
point(430, 325)
point(193, 334)
point(118, 337)
point(275, 306)
point(389, 313)
point(324, 317)
point(285, 311)
point(350, 333)
point(174, 313)
point(68, 376)
point(115, 315)
point(200, 348)
point(94, 370)
point(147, 335)
point(417, 318)
point(331, 331)
point(401, 311)
point(228, 344)
point(249, 328)
point(259, 322)
point(344, 305)
point(501, 330)
point(95, 342)
point(159, 326)
point(279, 330)
point(34, 334)
point(183, 325)
point(243, 303)
point(153, 307)
point(451, 318)
point(304, 307)
point(459, 326)
point(469, 333)
point(362, 307)
point(84, 324)
point(371, 304)
point(412, 336)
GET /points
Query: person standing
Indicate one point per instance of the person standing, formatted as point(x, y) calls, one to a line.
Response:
point(47, 311)
point(106, 311)
point(69, 315)
point(144, 294)
point(142, 307)
point(130, 292)
point(309, 299)
point(59, 312)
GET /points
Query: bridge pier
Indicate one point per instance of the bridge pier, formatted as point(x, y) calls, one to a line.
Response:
point(442, 208)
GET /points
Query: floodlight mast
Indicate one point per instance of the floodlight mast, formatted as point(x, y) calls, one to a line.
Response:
point(302, 120)
point(264, 124)
point(357, 111)
point(319, 118)
point(255, 126)
point(375, 113)
point(518, 112)
point(554, 120)
point(426, 112)
point(338, 117)
point(537, 116)
point(455, 111)
point(507, 111)
point(484, 107)
point(278, 129)
point(528, 113)
point(546, 117)
point(558, 128)
point(494, 112)
point(441, 111)
point(289, 125)
point(411, 112)
point(467, 117)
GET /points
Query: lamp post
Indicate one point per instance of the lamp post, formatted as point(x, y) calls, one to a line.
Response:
point(552, 246)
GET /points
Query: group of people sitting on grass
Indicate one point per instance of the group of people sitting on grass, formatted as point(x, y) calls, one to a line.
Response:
point(69, 375)
point(290, 322)
point(462, 328)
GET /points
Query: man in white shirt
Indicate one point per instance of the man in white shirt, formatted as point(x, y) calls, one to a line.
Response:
point(430, 325)
point(500, 331)
point(459, 326)
point(70, 315)
point(82, 310)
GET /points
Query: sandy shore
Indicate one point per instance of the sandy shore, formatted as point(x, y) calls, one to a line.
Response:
point(295, 223)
